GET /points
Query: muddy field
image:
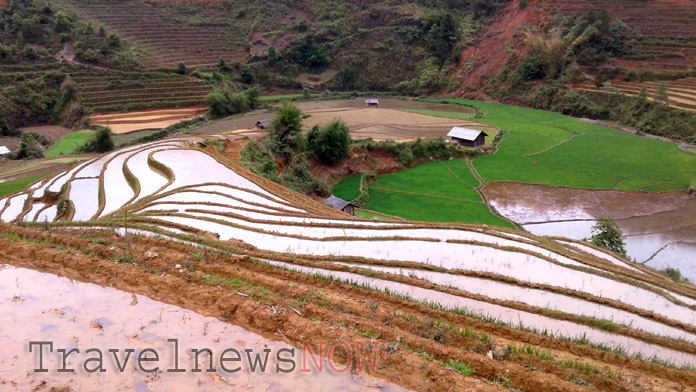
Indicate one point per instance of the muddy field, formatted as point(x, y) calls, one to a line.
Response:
point(70, 313)
point(122, 123)
point(388, 122)
point(293, 308)
point(659, 227)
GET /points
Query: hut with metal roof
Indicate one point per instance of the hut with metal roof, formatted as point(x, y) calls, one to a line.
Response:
point(372, 102)
point(468, 137)
point(263, 124)
point(340, 204)
point(4, 152)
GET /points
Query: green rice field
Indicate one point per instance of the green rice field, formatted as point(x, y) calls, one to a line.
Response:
point(68, 144)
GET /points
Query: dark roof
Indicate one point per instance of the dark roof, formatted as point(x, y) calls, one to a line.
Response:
point(337, 203)
point(262, 122)
point(465, 133)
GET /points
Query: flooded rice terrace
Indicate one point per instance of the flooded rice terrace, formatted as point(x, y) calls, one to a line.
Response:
point(659, 229)
point(37, 306)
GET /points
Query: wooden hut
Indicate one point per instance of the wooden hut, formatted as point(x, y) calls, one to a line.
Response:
point(468, 137)
point(340, 204)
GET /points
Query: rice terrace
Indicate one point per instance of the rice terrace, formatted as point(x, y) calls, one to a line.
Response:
point(490, 195)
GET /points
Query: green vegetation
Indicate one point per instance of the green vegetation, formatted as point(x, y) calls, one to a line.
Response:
point(29, 147)
point(607, 235)
point(548, 148)
point(69, 143)
point(285, 136)
point(463, 116)
point(331, 142)
point(434, 192)
point(349, 188)
point(7, 188)
point(225, 103)
point(427, 208)
point(99, 141)
point(675, 275)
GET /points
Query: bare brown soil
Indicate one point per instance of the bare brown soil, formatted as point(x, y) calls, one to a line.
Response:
point(296, 308)
point(121, 123)
point(52, 132)
point(12, 143)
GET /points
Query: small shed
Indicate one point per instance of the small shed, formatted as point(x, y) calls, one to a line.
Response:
point(340, 204)
point(372, 102)
point(4, 152)
point(263, 124)
point(468, 137)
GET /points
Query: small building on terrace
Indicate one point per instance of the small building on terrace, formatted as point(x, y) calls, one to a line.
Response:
point(340, 204)
point(468, 137)
point(372, 102)
point(4, 152)
point(263, 124)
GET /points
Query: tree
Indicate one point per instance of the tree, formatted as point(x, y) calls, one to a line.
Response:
point(181, 69)
point(306, 94)
point(272, 56)
point(253, 95)
point(607, 235)
point(100, 141)
point(330, 143)
point(285, 134)
point(661, 95)
point(218, 104)
point(222, 65)
point(29, 148)
point(347, 76)
point(248, 76)
point(237, 103)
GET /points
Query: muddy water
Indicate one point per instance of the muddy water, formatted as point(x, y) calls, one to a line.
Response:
point(660, 229)
point(42, 307)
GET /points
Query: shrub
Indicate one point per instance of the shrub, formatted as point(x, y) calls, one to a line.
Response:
point(331, 142)
point(300, 178)
point(219, 106)
point(260, 161)
point(252, 96)
point(181, 69)
point(607, 235)
point(238, 103)
point(100, 142)
point(29, 148)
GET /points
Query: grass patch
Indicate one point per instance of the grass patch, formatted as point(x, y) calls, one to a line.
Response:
point(433, 179)
point(362, 214)
point(68, 144)
point(549, 148)
point(432, 209)
point(434, 192)
point(463, 116)
point(10, 187)
point(349, 188)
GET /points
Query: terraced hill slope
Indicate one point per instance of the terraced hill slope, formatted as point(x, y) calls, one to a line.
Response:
point(197, 36)
point(572, 291)
point(680, 93)
point(124, 90)
point(668, 29)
